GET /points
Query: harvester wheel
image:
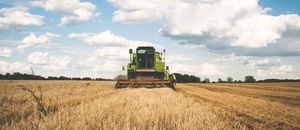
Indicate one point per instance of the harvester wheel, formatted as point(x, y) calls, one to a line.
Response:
point(173, 86)
point(116, 86)
point(173, 82)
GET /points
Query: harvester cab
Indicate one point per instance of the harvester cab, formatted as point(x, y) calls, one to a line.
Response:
point(147, 69)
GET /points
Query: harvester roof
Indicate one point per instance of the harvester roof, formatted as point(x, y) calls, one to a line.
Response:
point(145, 48)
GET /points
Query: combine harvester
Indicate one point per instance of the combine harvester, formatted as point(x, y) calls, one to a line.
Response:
point(147, 69)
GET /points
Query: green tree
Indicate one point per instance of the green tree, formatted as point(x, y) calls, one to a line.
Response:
point(220, 80)
point(250, 79)
point(206, 80)
point(229, 79)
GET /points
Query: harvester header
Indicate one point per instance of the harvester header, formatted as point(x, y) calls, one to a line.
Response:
point(147, 69)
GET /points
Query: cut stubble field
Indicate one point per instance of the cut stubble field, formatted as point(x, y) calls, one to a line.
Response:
point(97, 105)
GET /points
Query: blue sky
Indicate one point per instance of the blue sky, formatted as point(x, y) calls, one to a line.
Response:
point(207, 38)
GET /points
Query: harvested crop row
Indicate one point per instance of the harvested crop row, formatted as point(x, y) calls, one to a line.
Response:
point(250, 104)
point(142, 108)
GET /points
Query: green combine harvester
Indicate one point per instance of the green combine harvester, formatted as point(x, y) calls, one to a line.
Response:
point(147, 69)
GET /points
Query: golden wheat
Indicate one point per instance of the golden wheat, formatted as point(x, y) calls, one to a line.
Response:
point(96, 105)
point(257, 106)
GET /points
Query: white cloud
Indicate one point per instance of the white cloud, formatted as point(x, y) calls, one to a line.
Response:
point(17, 18)
point(173, 59)
point(136, 11)
point(286, 68)
point(263, 64)
point(50, 62)
point(6, 67)
point(111, 54)
point(5, 52)
point(73, 11)
point(62, 61)
point(99, 65)
point(32, 40)
point(269, 68)
point(219, 25)
point(78, 35)
point(193, 47)
point(232, 57)
point(258, 30)
point(204, 69)
point(107, 38)
point(38, 57)
point(274, 72)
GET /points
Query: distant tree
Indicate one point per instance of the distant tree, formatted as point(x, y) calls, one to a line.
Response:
point(240, 81)
point(7, 76)
point(20, 76)
point(63, 78)
point(250, 79)
point(194, 79)
point(52, 78)
point(220, 80)
point(121, 76)
point(86, 78)
point(100, 79)
point(76, 78)
point(229, 79)
point(206, 80)
point(185, 78)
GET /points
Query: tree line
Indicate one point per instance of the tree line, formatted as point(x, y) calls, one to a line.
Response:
point(185, 78)
point(20, 76)
point(180, 78)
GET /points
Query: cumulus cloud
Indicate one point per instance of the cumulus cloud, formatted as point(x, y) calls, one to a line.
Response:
point(173, 59)
point(5, 52)
point(17, 18)
point(204, 69)
point(194, 47)
point(103, 65)
point(32, 40)
point(232, 57)
point(50, 62)
point(73, 11)
point(107, 38)
point(6, 67)
point(274, 72)
point(269, 68)
point(111, 53)
point(136, 11)
point(265, 64)
point(220, 25)
point(38, 58)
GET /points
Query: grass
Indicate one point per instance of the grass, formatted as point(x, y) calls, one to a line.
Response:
point(97, 105)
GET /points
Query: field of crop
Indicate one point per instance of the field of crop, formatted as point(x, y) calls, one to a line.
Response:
point(97, 105)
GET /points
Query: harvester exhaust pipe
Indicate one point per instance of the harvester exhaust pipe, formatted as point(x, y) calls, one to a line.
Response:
point(130, 52)
point(164, 55)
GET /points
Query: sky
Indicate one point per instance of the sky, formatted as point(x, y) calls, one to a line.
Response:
point(206, 38)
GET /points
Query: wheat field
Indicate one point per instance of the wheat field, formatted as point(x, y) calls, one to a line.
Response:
point(97, 105)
